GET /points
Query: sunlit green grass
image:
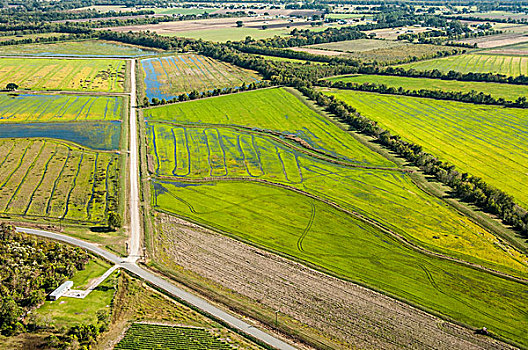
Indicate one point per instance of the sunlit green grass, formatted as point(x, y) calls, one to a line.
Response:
point(310, 230)
point(507, 65)
point(506, 91)
point(486, 141)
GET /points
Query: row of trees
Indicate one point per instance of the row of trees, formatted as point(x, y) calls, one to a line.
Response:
point(471, 96)
point(194, 95)
point(30, 269)
point(465, 186)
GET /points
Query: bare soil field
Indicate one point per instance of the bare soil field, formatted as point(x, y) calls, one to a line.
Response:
point(205, 24)
point(488, 42)
point(318, 51)
point(352, 315)
point(392, 33)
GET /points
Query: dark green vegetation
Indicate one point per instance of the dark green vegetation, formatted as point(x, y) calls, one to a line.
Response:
point(488, 142)
point(312, 231)
point(150, 336)
point(30, 268)
point(504, 91)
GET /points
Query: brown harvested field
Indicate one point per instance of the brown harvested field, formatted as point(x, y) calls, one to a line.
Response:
point(318, 51)
point(488, 42)
point(205, 24)
point(392, 33)
point(349, 315)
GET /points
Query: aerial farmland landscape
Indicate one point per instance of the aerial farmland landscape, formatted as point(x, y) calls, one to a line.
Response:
point(263, 174)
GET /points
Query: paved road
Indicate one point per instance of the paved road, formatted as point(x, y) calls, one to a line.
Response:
point(134, 244)
point(167, 286)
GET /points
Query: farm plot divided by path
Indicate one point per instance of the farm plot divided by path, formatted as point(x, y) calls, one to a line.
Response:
point(276, 110)
point(496, 64)
point(63, 74)
point(298, 226)
point(486, 141)
point(16, 108)
point(168, 77)
point(51, 179)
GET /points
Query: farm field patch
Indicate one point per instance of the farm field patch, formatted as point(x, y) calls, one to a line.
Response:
point(389, 197)
point(62, 74)
point(168, 77)
point(379, 50)
point(486, 141)
point(299, 226)
point(87, 48)
point(17, 108)
point(96, 135)
point(476, 63)
point(274, 109)
point(515, 49)
point(51, 179)
point(506, 91)
point(151, 336)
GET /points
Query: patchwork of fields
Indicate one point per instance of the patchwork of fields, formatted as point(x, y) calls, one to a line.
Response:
point(168, 77)
point(51, 179)
point(274, 110)
point(63, 74)
point(505, 91)
point(486, 141)
point(17, 108)
point(308, 229)
point(497, 64)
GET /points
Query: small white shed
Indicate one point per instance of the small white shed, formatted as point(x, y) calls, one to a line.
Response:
point(63, 288)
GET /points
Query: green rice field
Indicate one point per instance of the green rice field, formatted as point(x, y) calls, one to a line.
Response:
point(17, 108)
point(297, 225)
point(168, 77)
point(63, 74)
point(141, 336)
point(43, 178)
point(486, 141)
point(505, 91)
point(497, 64)
point(278, 110)
point(87, 48)
point(387, 196)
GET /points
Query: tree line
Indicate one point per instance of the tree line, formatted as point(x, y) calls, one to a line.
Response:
point(466, 187)
point(470, 97)
point(31, 268)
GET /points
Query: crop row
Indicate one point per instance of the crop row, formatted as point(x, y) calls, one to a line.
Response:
point(62, 74)
point(507, 65)
point(44, 178)
point(46, 108)
point(167, 77)
point(148, 336)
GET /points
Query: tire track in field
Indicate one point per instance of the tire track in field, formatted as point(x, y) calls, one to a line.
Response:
point(307, 229)
point(48, 205)
point(73, 186)
point(372, 222)
point(41, 180)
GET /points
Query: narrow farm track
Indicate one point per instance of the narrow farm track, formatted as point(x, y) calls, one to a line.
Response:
point(134, 248)
point(359, 216)
point(168, 287)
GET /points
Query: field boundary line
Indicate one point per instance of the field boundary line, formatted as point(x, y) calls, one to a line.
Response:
point(358, 216)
